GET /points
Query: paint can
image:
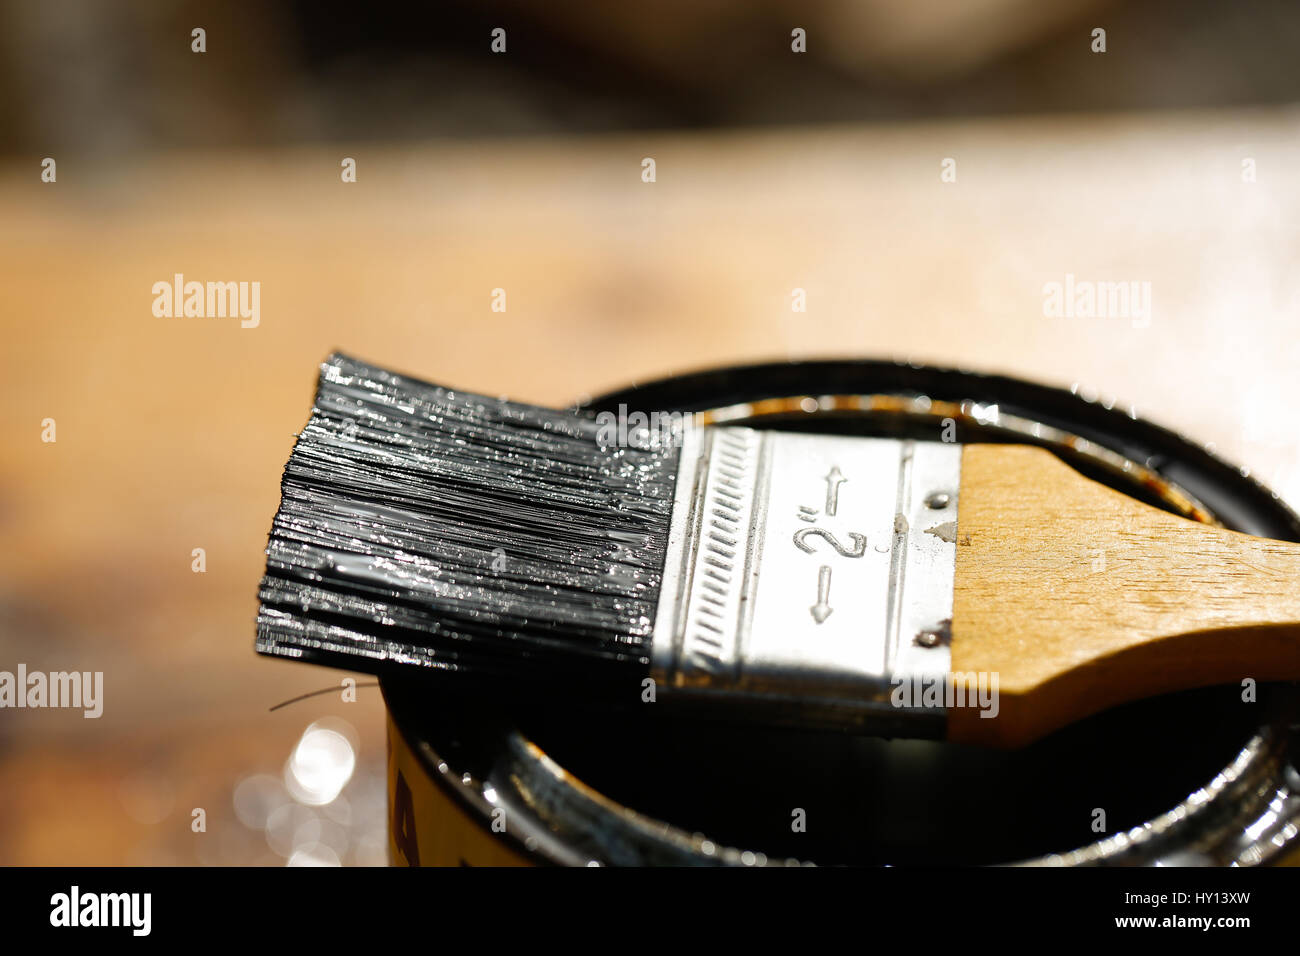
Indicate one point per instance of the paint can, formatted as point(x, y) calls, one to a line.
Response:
point(1195, 778)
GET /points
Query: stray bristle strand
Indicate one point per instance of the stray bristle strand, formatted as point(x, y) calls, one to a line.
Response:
point(426, 526)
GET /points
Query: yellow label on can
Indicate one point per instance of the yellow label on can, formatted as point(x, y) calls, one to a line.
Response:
point(426, 826)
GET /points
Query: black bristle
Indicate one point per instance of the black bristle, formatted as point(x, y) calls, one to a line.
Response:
point(424, 526)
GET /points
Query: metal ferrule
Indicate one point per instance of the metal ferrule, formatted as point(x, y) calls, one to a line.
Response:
point(809, 577)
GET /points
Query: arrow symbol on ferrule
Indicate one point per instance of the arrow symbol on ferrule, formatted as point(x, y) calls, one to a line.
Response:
point(822, 610)
point(834, 479)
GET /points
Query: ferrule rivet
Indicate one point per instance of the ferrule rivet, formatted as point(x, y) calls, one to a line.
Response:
point(928, 639)
point(939, 500)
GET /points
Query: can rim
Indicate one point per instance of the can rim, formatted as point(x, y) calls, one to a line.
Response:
point(572, 823)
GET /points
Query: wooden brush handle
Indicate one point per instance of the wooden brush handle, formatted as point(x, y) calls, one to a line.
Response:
point(1080, 597)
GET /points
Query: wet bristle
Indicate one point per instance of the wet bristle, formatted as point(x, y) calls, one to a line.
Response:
point(441, 529)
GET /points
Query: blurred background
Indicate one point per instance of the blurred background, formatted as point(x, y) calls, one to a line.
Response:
point(920, 172)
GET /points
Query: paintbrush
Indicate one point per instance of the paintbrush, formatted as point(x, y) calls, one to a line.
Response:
point(985, 594)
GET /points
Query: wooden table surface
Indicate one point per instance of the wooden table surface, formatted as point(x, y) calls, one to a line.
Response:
point(172, 432)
